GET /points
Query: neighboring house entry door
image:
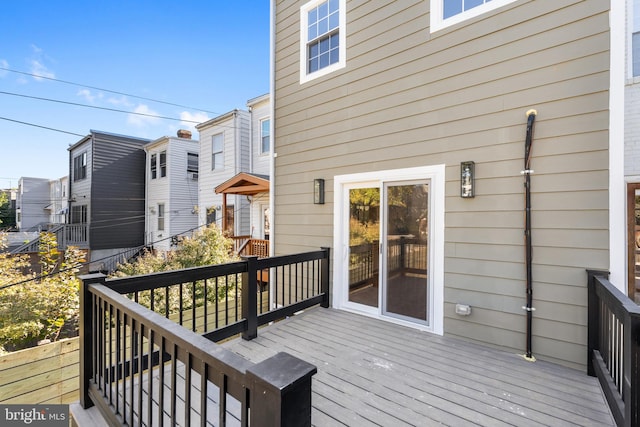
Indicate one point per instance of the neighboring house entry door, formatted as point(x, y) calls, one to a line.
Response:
point(388, 237)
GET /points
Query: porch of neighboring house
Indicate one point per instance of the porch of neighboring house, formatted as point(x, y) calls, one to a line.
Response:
point(249, 185)
point(144, 341)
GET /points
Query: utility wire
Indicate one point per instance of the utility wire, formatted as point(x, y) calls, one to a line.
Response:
point(98, 108)
point(105, 90)
point(42, 127)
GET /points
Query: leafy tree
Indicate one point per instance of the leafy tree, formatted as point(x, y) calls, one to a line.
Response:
point(35, 308)
point(7, 215)
point(205, 247)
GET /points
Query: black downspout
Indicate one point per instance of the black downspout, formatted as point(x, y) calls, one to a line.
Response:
point(531, 117)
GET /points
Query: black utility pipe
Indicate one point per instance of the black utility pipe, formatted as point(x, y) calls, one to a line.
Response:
point(531, 117)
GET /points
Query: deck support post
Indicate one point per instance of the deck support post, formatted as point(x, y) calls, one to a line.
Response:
point(250, 297)
point(281, 391)
point(324, 278)
point(86, 336)
point(593, 316)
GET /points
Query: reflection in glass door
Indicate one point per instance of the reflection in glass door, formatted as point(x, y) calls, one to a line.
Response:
point(405, 284)
point(364, 245)
point(633, 240)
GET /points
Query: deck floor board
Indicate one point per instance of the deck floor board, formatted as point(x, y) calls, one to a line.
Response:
point(372, 372)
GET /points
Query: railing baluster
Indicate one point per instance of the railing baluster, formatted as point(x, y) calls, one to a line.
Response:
point(193, 306)
point(205, 297)
point(187, 390)
point(161, 380)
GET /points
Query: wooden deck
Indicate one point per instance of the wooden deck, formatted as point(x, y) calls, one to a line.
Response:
point(374, 373)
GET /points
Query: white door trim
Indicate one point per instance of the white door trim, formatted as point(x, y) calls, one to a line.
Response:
point(341, 183)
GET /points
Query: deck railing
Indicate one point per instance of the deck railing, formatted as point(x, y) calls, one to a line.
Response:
point(614, 347)
point(147, 343)
point(404, 255)
point(66, 235)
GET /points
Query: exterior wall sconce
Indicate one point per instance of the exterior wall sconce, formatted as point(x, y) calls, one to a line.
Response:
point(467, 176)
point(318, 191)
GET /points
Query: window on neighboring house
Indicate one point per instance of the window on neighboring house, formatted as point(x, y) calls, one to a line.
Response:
point(265, 136)
point(79, 214)
point(211, 215)
point(160, 216)
point(163, 164)
point(80, 167)
point(448, 12)
point(154, 166)
point(322, 38)
point(217, 154)
point(635, 46)
point(192, 165)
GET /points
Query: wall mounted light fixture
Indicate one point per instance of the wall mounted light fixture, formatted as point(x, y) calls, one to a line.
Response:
point(467, 176)
point(318, 191)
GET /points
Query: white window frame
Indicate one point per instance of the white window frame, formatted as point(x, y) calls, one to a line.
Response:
point(342, 36)
point(161, 217)
point(341, 185)
point(262, 135)
point(214, 154)
point(437, 10)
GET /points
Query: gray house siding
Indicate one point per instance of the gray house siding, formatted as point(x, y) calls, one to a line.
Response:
point(117, 187)
point(408, 98)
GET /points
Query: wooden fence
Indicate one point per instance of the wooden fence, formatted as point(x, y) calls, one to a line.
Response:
point(47, 374)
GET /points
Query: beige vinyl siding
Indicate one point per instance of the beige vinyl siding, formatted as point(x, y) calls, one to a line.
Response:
point(410, 98)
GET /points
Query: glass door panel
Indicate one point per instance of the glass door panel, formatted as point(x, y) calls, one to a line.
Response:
point(364, 245)
point(405, 284)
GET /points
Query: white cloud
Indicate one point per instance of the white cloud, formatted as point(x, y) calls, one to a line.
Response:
point(88, 95)
point(188, 118)
point(3, 64)
point(142, 121)
point(37, 66)
point(122, 101)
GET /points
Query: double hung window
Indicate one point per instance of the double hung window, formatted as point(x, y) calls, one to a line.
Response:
point(265, 136)
point(217, 153)
point(80, 167)
point(154, 166)
point(322, 38)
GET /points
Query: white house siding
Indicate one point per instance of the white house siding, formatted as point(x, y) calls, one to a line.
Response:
point(408, 97)
point(177, 191)
point(235, 129)
point(632, 130)
point(260, 111)
point(33, 198)
point(80, 191)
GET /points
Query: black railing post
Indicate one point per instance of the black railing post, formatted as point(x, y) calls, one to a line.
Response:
point(86, 336)
point(630, 392)
point(593, 320)
point(281, 391)
point(324, 278)
point(250, 297)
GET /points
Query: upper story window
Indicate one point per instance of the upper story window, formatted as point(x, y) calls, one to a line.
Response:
point(322, 38)
point(217, 153)
point(160, 216)
point(154, 166)
point(265, 136)
point(448, 12)
point(635, 54)
point(80, 167)
point(163, 164)
point(192, 163)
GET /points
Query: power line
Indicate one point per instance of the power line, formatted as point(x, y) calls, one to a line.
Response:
point(98, 108)
point(105, 90)
point(42, 127)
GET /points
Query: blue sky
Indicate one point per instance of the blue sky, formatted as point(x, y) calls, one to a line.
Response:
point(209, 56)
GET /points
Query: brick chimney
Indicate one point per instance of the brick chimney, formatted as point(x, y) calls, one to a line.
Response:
point(183, 133)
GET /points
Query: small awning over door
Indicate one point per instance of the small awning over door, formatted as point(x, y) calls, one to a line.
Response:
point(244, 183)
